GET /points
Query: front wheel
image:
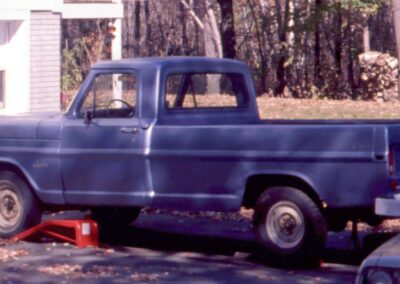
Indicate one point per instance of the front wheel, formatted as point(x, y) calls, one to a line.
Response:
point(19, 209)
point(289, 227)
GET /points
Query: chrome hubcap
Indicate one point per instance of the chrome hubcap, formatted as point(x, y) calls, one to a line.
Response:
point(285, 225)
point(10, 208)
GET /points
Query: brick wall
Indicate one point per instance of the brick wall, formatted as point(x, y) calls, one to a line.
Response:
point(45, 61)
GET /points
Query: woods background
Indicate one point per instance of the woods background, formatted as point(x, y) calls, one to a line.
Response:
point(295, 48)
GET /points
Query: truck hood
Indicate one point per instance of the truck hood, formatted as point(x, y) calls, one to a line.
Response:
point(27, 126)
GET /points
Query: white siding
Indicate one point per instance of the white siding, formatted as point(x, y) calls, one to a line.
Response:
point(14, 60)
point(45, 61)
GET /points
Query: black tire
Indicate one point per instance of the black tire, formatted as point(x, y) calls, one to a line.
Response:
point(115, 216)
point(19, 208)
point(289, 227)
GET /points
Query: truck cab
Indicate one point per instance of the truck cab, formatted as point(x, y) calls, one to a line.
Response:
point(124, 117)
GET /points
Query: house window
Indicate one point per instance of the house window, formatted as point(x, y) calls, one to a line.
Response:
point(2, 88)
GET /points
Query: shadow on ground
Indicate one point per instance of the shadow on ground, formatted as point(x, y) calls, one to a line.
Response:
point(164, 233)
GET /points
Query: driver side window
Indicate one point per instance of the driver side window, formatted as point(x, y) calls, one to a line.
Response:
point(111, 95)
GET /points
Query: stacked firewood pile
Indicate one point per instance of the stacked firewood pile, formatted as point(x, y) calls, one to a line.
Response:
point(379, 72)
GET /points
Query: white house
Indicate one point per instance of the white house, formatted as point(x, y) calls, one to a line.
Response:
point(30, 53)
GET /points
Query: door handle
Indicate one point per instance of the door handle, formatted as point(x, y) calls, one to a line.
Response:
point(129, 130)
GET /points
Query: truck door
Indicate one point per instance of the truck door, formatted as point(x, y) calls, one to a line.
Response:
point(194, 154)
point(101, 155)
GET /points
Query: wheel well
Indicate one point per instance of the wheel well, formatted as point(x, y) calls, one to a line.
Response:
point(13, 168)
point(257, 184)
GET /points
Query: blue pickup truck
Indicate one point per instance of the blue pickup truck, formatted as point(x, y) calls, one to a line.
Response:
point(184, 133)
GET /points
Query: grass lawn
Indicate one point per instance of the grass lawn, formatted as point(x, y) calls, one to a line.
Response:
point(278, 108)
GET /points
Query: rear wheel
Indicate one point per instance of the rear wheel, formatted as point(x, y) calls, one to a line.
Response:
point(289, 227)
point(19, 209)
point(115, 216)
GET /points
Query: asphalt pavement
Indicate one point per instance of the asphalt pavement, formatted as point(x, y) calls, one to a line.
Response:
point(166, 248)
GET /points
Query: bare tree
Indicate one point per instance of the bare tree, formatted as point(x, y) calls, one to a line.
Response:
point(209, 25)
point(366, 32)
point(228, 28)
point(300, 48)
point(137, 28)
point(284, 18)
point(317, 46)
point(396, 21)
point(148, 39)
point(212, 35)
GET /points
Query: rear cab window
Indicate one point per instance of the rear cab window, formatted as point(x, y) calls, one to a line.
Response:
point(202, 91)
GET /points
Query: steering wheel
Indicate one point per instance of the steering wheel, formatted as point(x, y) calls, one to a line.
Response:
point(126, 104)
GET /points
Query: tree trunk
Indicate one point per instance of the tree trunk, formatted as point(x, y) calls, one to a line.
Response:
point(228, 29)
point(366, 36)
point(137, 28)
point(290, 41)
point(212, 39)
point(184, 38)
point(280, 76)
point(193, 13)
point(248, 32)
point(396, 21)
point(283, 23)
point(128, 42)
point(149, 43)
point(317, 49)
point(338, 41)
point(350, 60)
point(196, 41)
point(212, 36)
point(260, 41)
point(213, 43)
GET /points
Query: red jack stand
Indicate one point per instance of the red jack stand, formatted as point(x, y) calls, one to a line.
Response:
point(82, 233)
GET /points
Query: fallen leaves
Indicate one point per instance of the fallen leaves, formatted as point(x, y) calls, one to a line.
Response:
point(6, 242)
point(100, 271)
point(387, 226)
point(147, 277)
point(76, 270)
point(96, 271)
point(61, 269)
point(244, 215)
point(10, 254)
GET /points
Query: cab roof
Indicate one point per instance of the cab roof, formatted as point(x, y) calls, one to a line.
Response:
point(167, 61)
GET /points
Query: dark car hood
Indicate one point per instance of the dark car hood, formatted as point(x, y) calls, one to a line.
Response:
point(28, 126)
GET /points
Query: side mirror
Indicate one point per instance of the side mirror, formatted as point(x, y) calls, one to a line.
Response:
point(88, 116)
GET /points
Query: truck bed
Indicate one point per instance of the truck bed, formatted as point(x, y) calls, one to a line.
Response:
point(330, 121)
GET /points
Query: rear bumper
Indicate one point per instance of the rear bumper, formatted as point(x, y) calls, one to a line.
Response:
point(388, 206)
